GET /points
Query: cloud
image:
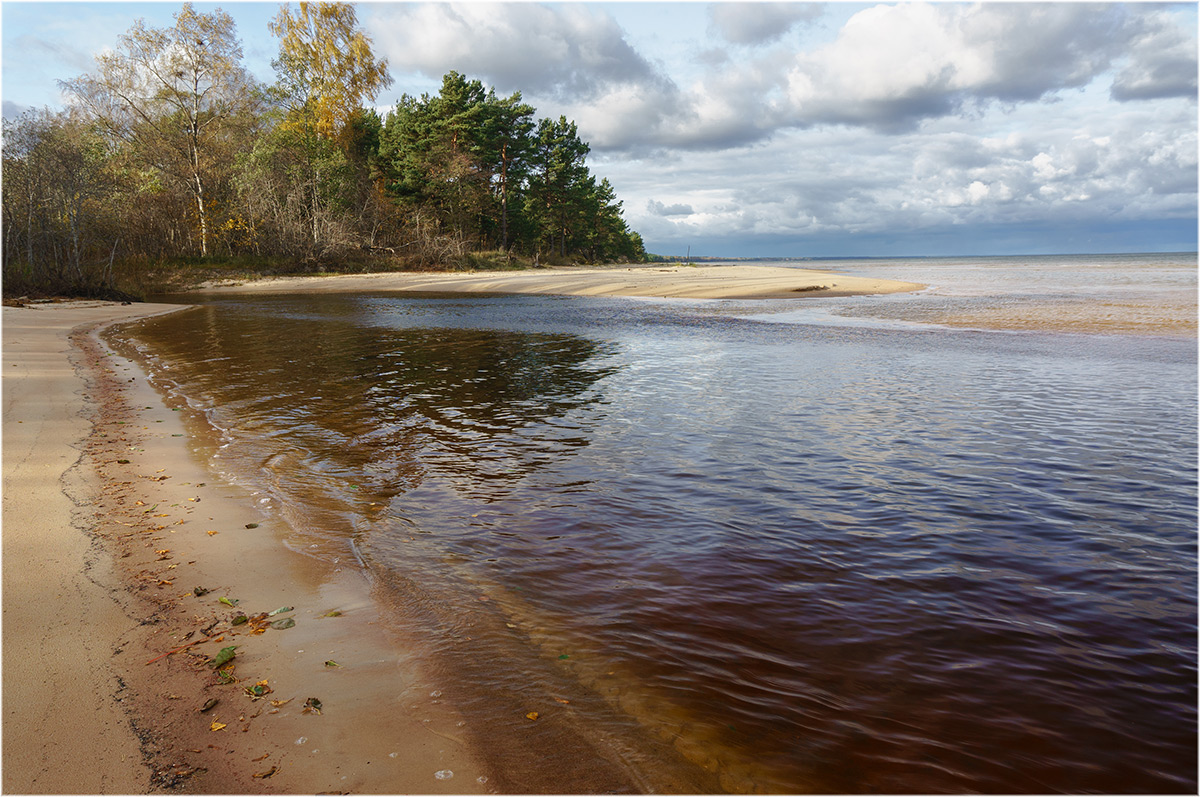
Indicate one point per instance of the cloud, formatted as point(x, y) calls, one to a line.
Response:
point(659, 209)
point(759, 23)
point(566, 59)
point(569, 51)
point(893, 66)
point(1163, 64)
point(1127, 168)
point(890, 68)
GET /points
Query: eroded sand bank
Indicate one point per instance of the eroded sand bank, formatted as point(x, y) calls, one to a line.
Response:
point(681, 282)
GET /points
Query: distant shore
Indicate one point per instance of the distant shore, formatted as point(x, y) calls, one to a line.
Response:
point(652, 281)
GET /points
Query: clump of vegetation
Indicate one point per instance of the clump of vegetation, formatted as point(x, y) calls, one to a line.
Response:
point(173, 166)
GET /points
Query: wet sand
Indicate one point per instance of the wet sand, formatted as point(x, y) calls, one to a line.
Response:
point(110, 524)
point(679, 282)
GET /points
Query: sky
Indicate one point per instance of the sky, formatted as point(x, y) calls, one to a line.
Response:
point(791, 130)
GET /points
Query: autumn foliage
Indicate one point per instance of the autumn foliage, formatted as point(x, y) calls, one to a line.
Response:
point(171, 153)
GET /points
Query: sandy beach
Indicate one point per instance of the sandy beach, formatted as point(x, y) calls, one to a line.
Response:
point(111, 528)
point(661, 281)
point(127, 566)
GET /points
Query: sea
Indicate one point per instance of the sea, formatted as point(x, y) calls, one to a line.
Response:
point(935, 542)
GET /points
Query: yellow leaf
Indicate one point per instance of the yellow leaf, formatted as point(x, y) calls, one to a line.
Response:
point(533, 715)
point(216, 726)
point(210, 533)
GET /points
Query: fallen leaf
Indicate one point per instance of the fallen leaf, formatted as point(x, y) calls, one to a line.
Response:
point(251, 525)
point(312, 705)
point(227, 601)
point(216, 726)
point(533, 715)
point(212, 701)
point(210, 533)
point(278, 703)
point(560, 700)
point(257, 691)
point(333, 613)
point(332, 663)
point(281, 610)
point(281, 624)
point(241, 618)
point(268, 773)
point(224, 656)
point(262, 757)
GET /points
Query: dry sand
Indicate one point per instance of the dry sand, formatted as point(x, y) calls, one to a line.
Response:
point(679, 282)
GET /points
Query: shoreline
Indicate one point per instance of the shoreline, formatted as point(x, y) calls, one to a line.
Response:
point(122, 521)
point(113, 612)
point(648, 281)
point(97, 585)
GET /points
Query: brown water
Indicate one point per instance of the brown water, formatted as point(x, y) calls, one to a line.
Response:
point(822, 556)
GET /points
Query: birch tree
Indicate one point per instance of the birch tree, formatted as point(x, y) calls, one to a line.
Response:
point(325, 72)
point(171, 92)
point(326, 69)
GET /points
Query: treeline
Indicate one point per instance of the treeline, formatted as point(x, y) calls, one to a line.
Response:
point(170, 153)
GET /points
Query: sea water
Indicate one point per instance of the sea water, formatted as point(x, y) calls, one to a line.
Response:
point(931, 542)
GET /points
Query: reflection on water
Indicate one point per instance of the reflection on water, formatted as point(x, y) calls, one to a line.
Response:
point(807, 558)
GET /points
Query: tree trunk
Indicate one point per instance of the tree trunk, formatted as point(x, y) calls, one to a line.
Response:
point(504, 196)
point(203, 217)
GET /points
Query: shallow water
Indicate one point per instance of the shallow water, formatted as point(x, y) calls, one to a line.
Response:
point(814, 554)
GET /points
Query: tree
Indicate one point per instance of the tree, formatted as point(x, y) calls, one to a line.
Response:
point(325, 72)
point(59, 213)
point(171, 92)
point(558, 185)
point(506, 127)
point(325, 67)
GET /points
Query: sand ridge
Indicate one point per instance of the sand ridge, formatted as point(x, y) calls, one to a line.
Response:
point(661, 281)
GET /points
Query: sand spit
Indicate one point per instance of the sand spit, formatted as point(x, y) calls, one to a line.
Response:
point(678, 282)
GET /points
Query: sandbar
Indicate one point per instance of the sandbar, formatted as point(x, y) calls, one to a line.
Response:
point(652, 281)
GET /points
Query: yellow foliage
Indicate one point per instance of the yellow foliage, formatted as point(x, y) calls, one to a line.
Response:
point(327, 63)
